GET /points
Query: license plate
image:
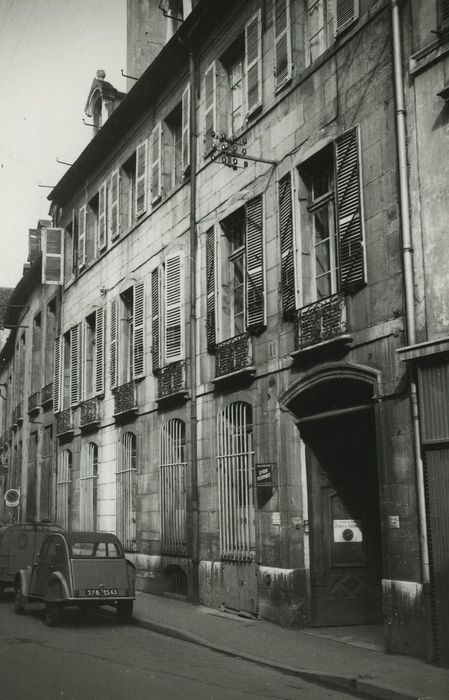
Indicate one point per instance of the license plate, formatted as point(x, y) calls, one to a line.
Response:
point(101, 592)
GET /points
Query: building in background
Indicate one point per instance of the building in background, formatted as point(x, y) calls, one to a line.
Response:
point(229, 390)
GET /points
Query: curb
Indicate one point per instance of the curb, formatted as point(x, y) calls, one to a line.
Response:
point(353, 684)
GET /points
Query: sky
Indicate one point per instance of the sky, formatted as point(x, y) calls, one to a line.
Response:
point(50, 51)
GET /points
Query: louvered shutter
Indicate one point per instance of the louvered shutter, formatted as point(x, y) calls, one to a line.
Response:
point(210, 289)
point(102, 200)
point(75, 251)
point(155, 319)
point(99, 351)
point(347, 12)
point(75, 344)
point(114, 342)
point(34, 244)
point(253, 63)
point(443, 14)
point(349, 211)
point(286, 231)
point(114, 221)
point(141, 179)
point(82, 368)
point(255, 273)
point(57, 384)
point(210, 105)
point(186, 129)
point(82, 236)
point(282, 42)
point(173, 309)
point(52, 255)
point(138, 330)
point(156, 162)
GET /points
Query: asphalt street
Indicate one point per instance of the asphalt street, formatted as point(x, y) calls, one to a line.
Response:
point(94, 657)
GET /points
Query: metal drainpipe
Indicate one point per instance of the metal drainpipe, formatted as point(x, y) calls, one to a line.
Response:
point(193, 330)
point(407, 256)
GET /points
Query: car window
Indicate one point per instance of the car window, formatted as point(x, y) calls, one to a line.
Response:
point(95, 549)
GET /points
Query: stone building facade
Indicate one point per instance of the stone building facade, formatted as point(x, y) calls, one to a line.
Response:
point(228, 392)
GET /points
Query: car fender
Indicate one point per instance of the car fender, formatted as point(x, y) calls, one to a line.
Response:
point(131, 569)
point(22, 581)
point(55, 584)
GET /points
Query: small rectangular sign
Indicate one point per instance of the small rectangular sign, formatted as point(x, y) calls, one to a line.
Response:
point(276, 518)
point(393, 521)
point(265, 476)
point(347, 531)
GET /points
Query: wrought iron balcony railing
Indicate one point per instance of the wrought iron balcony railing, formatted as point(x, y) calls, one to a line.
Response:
point(64, 422)
point(234, 355)
point(34, 402)
point(125, 399)
point(47, 394)
point(172, 381)
point(321, 321)
point(90, 412)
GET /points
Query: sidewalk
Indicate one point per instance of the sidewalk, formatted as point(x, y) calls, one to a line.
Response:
point(341, 658)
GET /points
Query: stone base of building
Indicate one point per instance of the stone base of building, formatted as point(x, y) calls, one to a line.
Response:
point(407, 619)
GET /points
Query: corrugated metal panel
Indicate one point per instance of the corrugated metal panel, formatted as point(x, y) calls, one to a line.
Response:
point(434, 400)
point(437, 491)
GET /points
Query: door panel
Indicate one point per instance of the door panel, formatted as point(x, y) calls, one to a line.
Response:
point(240, 587)
point(345, 522)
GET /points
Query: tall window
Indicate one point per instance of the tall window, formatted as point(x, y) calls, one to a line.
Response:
point(31, 479)
point(127, 491)
point(167, 312)
point(173, 487)
point(322, 213)
point(235, 265)
point(326, 19)
point(127, 336)
point(88, 487)
point(235, 468)
point(36, 364)
point(64, 489)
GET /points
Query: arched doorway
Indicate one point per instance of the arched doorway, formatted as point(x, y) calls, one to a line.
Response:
point(334, 411)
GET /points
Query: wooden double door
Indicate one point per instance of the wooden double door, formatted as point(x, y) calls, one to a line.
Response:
point(345, 533)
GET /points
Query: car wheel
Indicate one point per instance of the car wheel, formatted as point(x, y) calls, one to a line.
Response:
point(124, 610)
point(19, 605)
point(53, 614)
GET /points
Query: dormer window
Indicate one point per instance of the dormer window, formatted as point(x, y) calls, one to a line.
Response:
point(102, 100)
point(173, 11)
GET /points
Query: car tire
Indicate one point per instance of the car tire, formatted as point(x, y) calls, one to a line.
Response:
point(19, 606)
point(124, 611)
point(53, 614)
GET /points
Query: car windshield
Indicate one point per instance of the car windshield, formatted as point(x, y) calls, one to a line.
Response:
point(95, 549)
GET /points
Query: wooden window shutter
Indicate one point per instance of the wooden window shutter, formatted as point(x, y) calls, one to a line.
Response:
point(75, 351)
point(114, 209)
point(443, 15)
point(141, 178)
point(114, 342)
point(102, 202)
point(347, 12)
point(99, 351)
point(82, 226)
point(255, 273)
point(210, 290)
point(185, 129)
point(210, 105)
point(52, 255)
point(350, 211)
point(57, 366)
point(75, 250)
point(155, 319)
point(139, 330)
point(286, 230)
point(156, 162)
point(173, 308)
point(282, 42)
point(253, 63)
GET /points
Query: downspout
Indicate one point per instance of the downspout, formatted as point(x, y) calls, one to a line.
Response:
point(194, 524)
point(407, 257)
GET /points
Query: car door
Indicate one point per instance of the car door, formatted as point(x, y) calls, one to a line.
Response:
point(44, 566)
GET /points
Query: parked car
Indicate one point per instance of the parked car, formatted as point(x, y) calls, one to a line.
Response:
point(85, 569)
point(19, 544)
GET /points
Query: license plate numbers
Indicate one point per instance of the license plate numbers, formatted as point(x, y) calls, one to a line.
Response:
point(101, 592)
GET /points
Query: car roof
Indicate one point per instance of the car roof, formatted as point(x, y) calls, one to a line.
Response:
point(86, 536)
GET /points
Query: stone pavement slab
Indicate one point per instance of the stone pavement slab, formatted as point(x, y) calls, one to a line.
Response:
point(350, 662)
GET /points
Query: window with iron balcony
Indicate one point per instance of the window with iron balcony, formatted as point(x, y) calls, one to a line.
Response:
point(235, 289)
point(332, 251)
